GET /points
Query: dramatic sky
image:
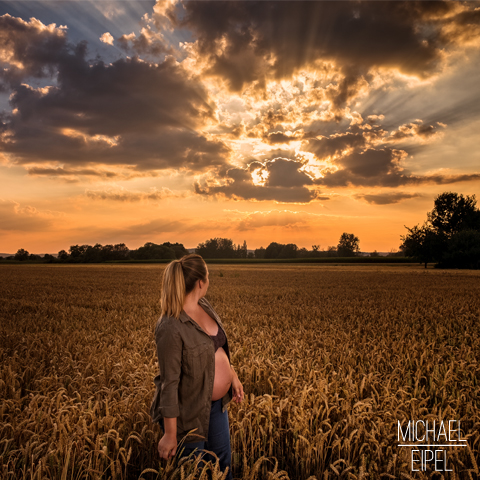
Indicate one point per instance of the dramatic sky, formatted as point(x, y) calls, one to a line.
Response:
point(264, 121)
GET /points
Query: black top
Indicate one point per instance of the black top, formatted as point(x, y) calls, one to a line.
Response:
point(218, 339)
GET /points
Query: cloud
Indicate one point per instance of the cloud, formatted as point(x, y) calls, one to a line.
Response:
point(381, 167)
point(25, 218)
point(394, 178)
point(123, 195)
point(107, 38)
point(386, 198)
point(274, 218)
point(375, 119)
point(64, 172)
point(147, 43)
point(109, 10)
point(151, 228)
point(346, 89)
point(279, 179)
point(286, 219)
point(116, 114)
point(92, 172)
point(287, 181)
point(416, 131)
point(285, 173)
point(464, 27)
point(244, 41)
point(335, 144)
point(29, 49)
point(283, 137)
point(371, 163)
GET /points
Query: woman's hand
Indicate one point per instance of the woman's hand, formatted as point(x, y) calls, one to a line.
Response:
point(237, 387)
point(167, 446)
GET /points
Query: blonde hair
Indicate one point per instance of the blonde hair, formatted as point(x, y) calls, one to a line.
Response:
point(179, 279)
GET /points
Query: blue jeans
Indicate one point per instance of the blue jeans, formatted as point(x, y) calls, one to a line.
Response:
point(218, 440)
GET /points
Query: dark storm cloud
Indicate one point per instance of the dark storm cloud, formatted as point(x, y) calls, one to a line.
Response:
point(286, 173)
point(129, 112)
point(346, 89)
point(371, 163)
point(123, 195)
point(279, 137)
point(285, 183)
point(29, 49)
point(66, 172)
point(291, 35)
point(383, 172)
point(414, 129)
point(386, 198)
point(335, 144)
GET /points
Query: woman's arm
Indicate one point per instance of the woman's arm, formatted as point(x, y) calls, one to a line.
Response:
point(169, 352)
point(238, 394)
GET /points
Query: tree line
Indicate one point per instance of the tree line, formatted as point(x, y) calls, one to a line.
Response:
point(348, 246)
point(105, 253)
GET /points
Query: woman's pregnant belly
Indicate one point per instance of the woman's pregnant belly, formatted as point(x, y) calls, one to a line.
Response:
point(223, 375)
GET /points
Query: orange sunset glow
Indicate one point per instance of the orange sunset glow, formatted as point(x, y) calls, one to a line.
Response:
point(283, 121)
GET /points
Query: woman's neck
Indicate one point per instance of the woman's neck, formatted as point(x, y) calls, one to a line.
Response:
point(191, 303)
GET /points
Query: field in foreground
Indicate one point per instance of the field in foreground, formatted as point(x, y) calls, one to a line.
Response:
point(330, 358)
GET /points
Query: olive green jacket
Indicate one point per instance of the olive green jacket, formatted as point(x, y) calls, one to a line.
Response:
point(186, 358)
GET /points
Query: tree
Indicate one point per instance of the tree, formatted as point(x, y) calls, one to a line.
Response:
point(303, 253)
point(78, 251)
point(348, 245)
point(463, 250)
point(452, 212)
point(374, 254)
point(62, 255)
point(260, 252)
point(288, 251)
point(273, 250)
point(216, 248)
point(152, 251)
point(120, 252)
point(332, 251)
point(445, 237)
point(244, 250)
point(423, 244)
point(93, 253)
point(178, 248)
point(21, 255)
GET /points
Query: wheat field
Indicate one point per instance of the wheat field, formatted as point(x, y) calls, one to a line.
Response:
point(331, 358)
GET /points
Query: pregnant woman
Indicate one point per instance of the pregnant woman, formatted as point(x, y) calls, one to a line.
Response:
point(196, 380)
